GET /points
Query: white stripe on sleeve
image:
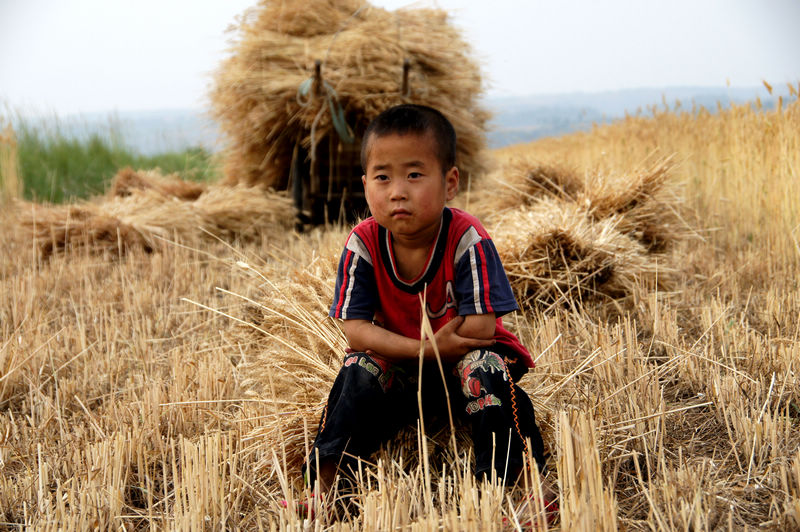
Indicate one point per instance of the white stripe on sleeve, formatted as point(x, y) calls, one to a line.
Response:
point(356, 245)
point(476, 286)
point(351, 281)
point(467, 240)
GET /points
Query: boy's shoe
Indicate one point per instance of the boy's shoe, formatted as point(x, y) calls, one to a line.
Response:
point(523, 513)
point(305, 509)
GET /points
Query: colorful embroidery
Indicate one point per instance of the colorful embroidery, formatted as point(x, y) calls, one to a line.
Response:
point(383, 370)
point(369, 366)
point(386, 379)
point(483, 402)
point(485, 361)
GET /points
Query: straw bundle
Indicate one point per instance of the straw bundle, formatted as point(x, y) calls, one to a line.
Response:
point(526, 181)
point(555, 254)
point(258, 101)
point(56, 228)
point(10, 182)
point(127, 181)
point(644, 202)
point(565, 237)
point(288, 306)
point(143, 209)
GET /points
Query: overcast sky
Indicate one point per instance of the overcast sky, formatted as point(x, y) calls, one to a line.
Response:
point(73, 56)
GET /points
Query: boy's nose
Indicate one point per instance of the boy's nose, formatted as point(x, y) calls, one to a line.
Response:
point(398, 191)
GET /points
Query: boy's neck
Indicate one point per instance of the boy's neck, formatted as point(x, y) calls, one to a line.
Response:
point(411, 252)
point(418, 241)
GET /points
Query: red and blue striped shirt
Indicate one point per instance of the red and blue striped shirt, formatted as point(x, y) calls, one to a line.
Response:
point(463, 276)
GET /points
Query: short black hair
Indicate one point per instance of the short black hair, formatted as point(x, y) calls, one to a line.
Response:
point(418, 120)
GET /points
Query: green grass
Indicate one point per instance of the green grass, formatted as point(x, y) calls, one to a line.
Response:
point(57, 167)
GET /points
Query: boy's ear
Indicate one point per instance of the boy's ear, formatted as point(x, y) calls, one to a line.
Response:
point(451, 183)
point(364, 181)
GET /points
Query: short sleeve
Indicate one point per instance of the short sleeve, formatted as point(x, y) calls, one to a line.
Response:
point(481, 284)
point(355, 296)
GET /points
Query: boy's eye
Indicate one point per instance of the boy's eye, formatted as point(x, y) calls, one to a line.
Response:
point(382, 177)
point(414, 175)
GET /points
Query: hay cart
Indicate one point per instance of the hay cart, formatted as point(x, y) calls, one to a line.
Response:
point(306, 77)
point(325, 179)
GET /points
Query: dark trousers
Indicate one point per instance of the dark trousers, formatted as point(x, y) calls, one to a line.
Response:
point(371, 400)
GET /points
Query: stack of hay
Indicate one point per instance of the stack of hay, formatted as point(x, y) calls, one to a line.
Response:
point(566, 239)
point(259, 97)
point(143, 209)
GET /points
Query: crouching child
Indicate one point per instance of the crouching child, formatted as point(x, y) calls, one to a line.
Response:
point(413, 245)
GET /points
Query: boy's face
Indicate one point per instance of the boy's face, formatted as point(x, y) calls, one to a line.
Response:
point(404, 186)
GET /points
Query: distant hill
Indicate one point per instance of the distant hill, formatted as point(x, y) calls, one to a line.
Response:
point(517, 119)
point(526, 118)
point(149, 132)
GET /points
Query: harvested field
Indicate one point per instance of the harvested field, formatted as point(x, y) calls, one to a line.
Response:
point(178, 389)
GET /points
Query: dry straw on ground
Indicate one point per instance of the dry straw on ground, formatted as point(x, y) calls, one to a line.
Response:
point(257, 95)
point(125, 402)
point(145, 209)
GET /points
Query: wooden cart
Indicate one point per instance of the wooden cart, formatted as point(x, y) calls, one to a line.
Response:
point(325, 181)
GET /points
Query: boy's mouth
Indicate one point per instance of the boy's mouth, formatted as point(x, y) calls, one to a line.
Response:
point(400, 213)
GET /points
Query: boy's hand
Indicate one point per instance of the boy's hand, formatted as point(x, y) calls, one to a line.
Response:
point(455, 339)
point(452, 345)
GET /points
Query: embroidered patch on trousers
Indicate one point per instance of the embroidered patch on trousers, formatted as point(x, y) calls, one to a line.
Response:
point(478, 361)
point(481, 403)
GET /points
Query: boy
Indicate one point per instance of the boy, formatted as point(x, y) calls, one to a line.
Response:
point(414, 244)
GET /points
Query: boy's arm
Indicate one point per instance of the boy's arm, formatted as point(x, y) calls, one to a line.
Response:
point(478, 326)
point(455, 339)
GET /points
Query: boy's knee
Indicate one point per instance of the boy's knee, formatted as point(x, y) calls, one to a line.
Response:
point(361, 371)
point(482, 373)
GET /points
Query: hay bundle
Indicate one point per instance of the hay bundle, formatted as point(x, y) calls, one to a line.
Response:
point(566, 236)
point(528, 181)
point(127, 181)
point(149, 208)
point(289, 306)
point(242, 212)
point(262, 110)
point(556, 254)
point(644, 203)
point(55, 228)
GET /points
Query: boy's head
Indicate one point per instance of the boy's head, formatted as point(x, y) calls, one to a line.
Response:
point(411, 119)
point(408, 155)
